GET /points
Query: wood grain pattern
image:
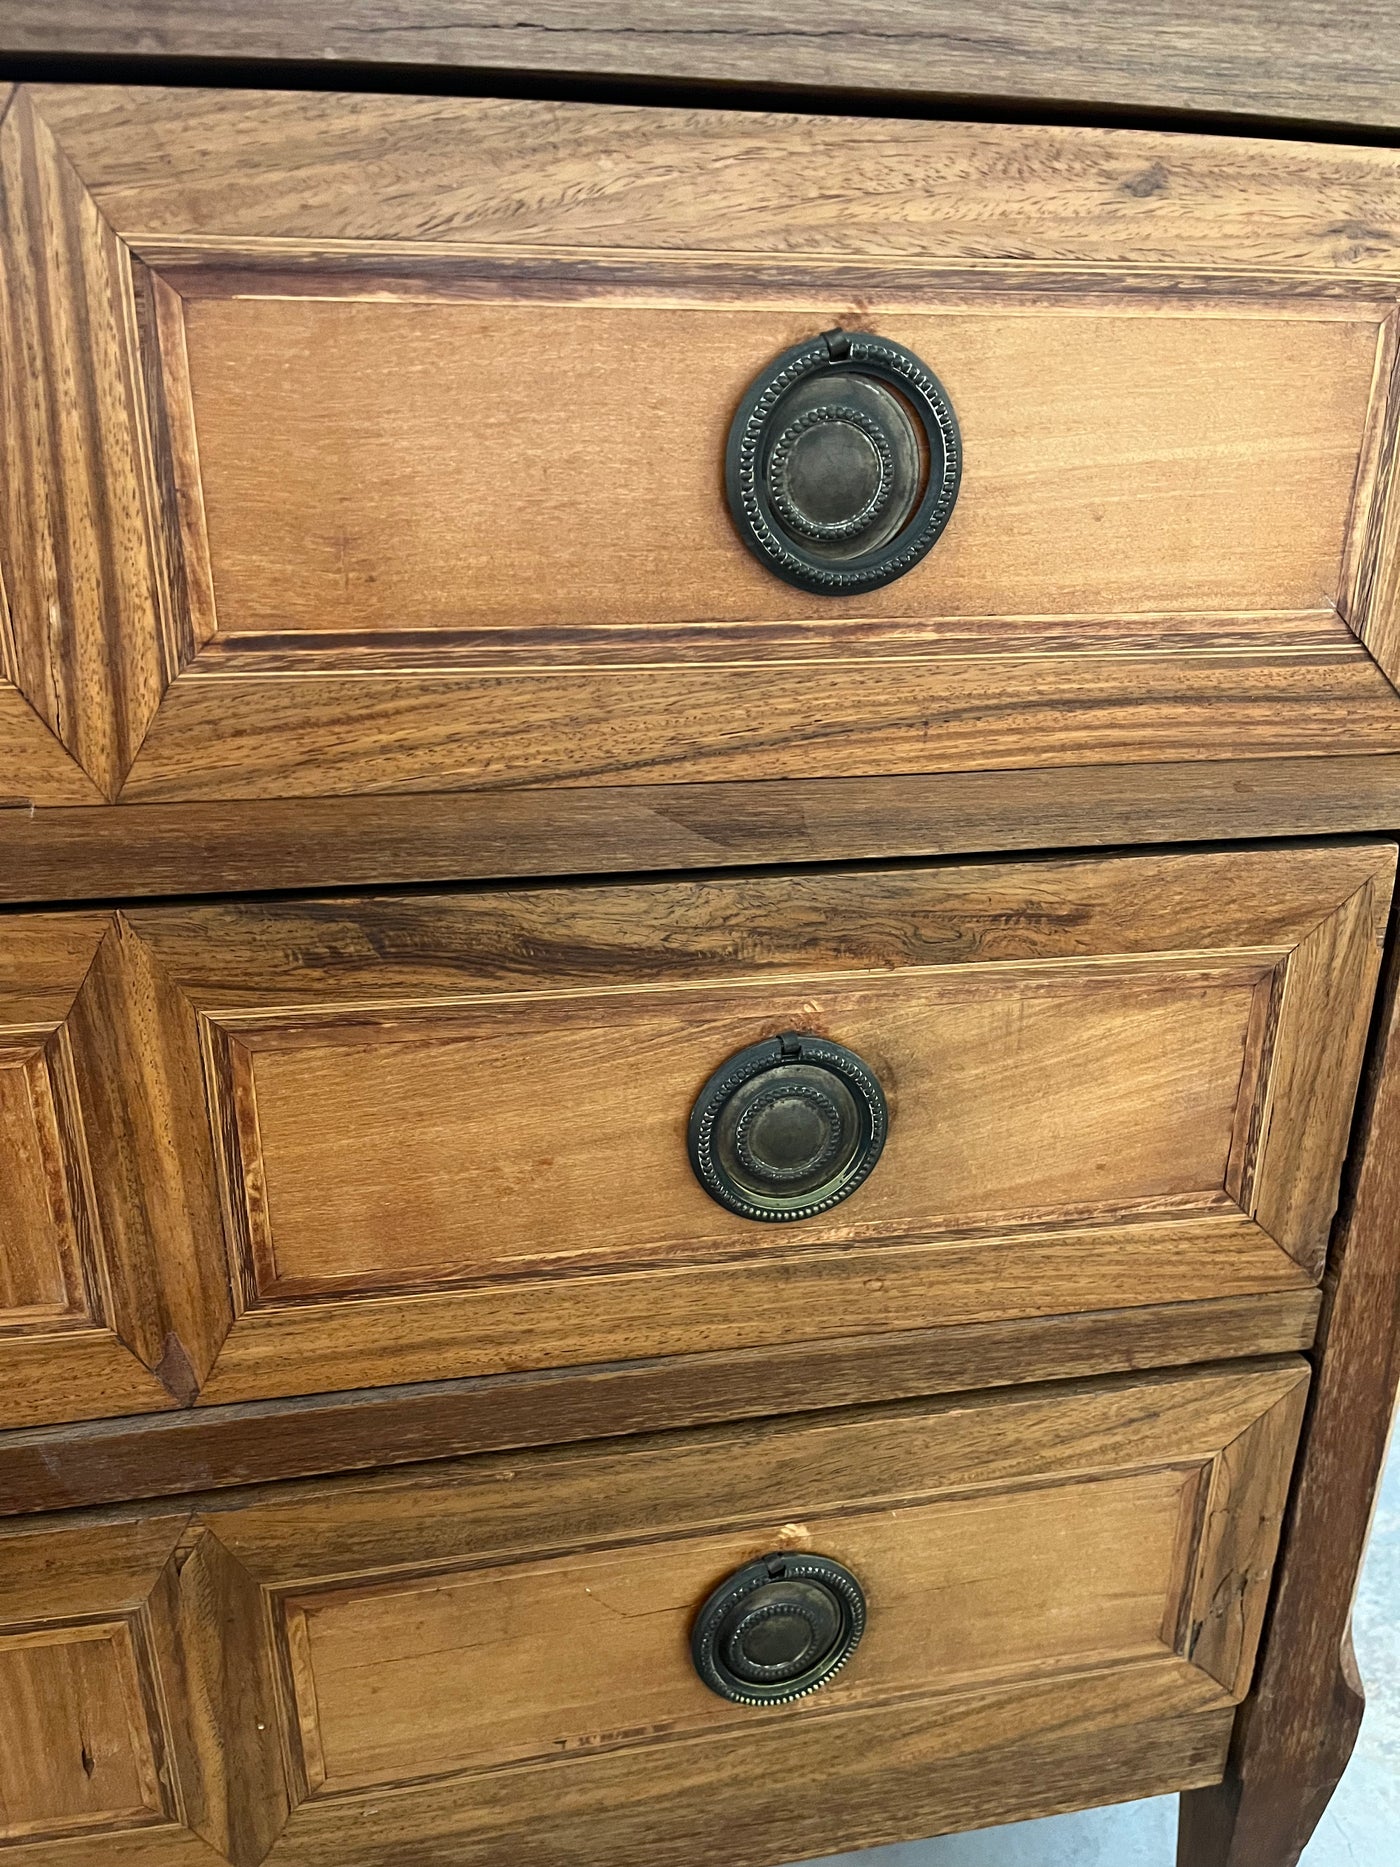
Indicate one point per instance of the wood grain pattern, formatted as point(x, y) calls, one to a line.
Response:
point(138, 1067)
point(405, 948)
point(1382, 598)
point(89, 589)
point(494, 1327)
point(258, 718)
point(1116, 585)
point(1294, 60)
point(97, 1569)
point(259, 733)
point(1242, 1512)
point(1037, 1750)
point(307, 667)
point(1315, 1053)
point(106, 1739)
point(214, 1666)
point(1070, 1431)
point(143, 1847)
point(966, 1271)
point(1109, 1079)
point(43, 1276)
point(255, 1612)
point(93, 1370)
point(383, 1170)
point(85, 1735)
point(39, 978)
point(97, 1267)
point(1297, 1734)
point(55, 1684)
point(1022, 1580)
point(108, 1462)
point(438, 837)
point(528, 605)
point(34, 768)
point(1371, 593)
point(168, 164)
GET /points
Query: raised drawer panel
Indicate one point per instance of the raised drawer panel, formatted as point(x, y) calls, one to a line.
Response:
point(393, 465)
point(461, 1145)
point(79, 1753)
point(389, 453)
point(490, 1661)
point(333, 1144)
point(392, 1682)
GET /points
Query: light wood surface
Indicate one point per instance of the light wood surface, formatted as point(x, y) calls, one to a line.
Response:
point(177, 168)
point(1313, 61)
point(357, 1142)
point(294, 510)
point(392, 473)
point(36, 769)
point(398, 1680)
point(529, 1623)
point(512, 1139)
point(405, 417)
point(41, 1271)
point(53, 1686)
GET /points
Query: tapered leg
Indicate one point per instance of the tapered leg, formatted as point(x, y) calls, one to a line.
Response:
point(1282, 1776)
point(1296, 1731)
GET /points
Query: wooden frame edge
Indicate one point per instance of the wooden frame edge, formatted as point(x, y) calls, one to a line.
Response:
point(146, 1456)
point(106, 853)
point(1297, 1729)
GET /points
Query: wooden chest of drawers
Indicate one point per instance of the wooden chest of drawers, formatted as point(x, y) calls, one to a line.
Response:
point(699, 839)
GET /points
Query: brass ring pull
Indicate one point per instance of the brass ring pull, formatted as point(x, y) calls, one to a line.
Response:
point(788, 1128)
point(843, 463)
point(778, 1628)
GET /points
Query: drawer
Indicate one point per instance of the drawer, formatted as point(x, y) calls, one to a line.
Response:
point(391, 447)
point(491, 1662)
point(275, 1147)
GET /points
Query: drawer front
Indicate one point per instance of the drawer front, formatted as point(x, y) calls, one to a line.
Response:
point(491, 1662)
point(277, 1147)
point(390, 448)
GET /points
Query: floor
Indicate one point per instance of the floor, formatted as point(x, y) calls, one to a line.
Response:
point(1360, 1829)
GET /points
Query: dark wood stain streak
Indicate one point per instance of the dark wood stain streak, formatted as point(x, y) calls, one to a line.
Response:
point(209, 266)
point(176, 630)
point(266, 736)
